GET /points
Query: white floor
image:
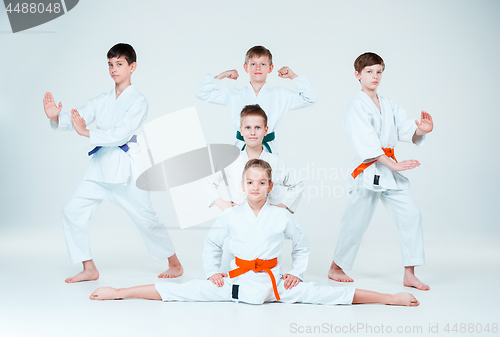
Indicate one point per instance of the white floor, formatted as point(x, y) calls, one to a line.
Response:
point(35, 301)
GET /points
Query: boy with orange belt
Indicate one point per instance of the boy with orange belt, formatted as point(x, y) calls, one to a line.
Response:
point(375, 124)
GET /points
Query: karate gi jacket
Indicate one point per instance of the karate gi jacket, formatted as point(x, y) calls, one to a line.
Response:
point(370, 131)
point(256, 237)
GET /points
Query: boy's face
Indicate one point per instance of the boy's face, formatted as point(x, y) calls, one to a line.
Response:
point(258, 68)
point(119, 69)
point(256, 184)
point(370, 76)
point(253, 130)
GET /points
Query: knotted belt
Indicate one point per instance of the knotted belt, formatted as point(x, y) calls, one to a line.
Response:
point(268, 138)
point(256, 265)
point(388, 152)
point(124, 147)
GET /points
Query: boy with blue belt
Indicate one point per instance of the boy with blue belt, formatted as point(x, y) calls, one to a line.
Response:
point(276, 101)
point(109, 176)
point(375, 124)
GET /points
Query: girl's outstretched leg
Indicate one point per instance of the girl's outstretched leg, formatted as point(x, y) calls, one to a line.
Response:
point(147, 292)
point(367, 296)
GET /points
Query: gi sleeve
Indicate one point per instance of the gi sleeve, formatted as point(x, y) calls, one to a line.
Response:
point(208, 93)
point(125, 128)
point(294, 186)
point(406, 127)
point(211, 187)
point(87, 112)
point(304, 96)
point(357, 123)
point(212, 250)
point(300, 246)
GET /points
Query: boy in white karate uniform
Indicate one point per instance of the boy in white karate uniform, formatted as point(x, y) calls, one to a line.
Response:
point(256, 231)
point(109, 176)
point(375, 124)
point(253, 128)
point(276, 101)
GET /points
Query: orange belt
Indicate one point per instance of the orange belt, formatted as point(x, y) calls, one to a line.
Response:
point(256, 265)
point(388, 152)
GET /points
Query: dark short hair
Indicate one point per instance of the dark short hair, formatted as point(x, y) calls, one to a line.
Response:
point(253, 110)
point(125, 50)
point(259, 163)
point(367, 60)
point(258, 51)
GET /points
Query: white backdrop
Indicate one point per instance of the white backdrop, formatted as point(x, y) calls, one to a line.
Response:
point(441, 56)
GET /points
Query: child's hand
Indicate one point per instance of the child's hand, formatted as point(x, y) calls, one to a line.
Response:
point(426, 125)
point(217, 279)
point(286, 72)
point(401, 166)
point(51, 110)
point(280, 205)
point(405, 165)
point(290, 281)
point(79, 123)
point(231, 74)
point(222, 204)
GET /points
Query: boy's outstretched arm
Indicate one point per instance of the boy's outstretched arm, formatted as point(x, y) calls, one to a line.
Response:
point(51, 109)
point(231, 74)
point(424, 127)
point(286, 72)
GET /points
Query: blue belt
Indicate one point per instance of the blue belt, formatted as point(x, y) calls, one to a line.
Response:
point(268, 138)
point(124, 147)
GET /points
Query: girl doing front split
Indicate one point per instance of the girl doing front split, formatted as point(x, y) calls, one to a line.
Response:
point(256, 231)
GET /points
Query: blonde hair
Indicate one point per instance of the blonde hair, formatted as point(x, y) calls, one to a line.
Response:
point(259, 163)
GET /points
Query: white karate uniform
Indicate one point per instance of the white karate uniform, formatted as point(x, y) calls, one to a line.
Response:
point(371, 131)
point(276, 101)
point(287, 188)
point(255, 237)
point(109, 174)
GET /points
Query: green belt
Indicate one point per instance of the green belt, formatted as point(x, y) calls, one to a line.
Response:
point(268, 138)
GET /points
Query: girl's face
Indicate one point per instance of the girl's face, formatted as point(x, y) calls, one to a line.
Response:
point(256, 184)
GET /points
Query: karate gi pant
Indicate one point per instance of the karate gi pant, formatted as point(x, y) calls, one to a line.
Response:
point(357, 217)
point(85, 199)
point(206, 291)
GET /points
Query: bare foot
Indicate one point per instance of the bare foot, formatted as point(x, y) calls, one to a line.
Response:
point(410, 280)
point(89, 273)
point(104, 293)
point(337, 274)
point(172, 271)
point(174, 268)
point(405, 299)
